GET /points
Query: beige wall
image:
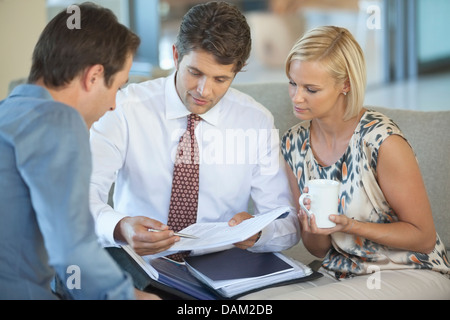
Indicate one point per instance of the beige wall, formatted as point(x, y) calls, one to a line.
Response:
point(21, 23)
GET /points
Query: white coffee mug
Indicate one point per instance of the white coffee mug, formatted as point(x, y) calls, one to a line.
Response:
point(324, 195)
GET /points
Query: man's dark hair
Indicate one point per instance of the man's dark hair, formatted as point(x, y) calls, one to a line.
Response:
point(62, 53)
point(218, 28)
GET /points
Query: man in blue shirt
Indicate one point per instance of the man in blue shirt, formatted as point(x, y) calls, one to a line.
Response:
point(45, 162)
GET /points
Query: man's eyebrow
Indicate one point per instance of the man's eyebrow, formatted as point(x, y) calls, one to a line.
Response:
point(224, 77)
point(195, 69)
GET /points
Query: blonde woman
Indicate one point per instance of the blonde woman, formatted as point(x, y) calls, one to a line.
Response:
point(385, 221)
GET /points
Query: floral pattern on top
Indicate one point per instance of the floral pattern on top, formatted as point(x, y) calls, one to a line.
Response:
point(360, 198)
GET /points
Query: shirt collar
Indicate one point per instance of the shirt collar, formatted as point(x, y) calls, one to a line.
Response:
point(31, 90)
point(175, 108)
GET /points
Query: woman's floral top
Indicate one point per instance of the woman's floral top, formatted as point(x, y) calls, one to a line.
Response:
point(360, 198)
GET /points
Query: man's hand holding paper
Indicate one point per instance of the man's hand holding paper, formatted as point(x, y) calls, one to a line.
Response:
point(134, 231)
point(220, 234)
point(250, 242)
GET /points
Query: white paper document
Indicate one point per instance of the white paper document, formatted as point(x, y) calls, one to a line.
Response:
point(219, 234)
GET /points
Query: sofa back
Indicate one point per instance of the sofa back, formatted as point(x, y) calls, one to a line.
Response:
point(426, 131)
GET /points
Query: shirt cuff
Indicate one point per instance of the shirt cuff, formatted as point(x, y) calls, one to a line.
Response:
point(105, 225)
point(266, 236)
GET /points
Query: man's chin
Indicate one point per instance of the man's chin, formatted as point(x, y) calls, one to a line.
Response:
point(199, 109)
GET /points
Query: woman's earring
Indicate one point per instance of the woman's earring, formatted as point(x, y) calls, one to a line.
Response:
point(345, 93)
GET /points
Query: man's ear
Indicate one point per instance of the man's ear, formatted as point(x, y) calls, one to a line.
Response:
point(175, 56)
point(93, 76)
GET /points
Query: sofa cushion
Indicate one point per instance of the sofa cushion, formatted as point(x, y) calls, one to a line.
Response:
point(428, 135)
point(426, 131)
point(275, 97)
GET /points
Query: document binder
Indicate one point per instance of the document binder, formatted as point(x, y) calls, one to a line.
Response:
point(176, 281)
point(235, 272)
point(174, 286)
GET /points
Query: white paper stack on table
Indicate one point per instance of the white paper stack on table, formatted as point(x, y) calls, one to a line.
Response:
point(235, 271)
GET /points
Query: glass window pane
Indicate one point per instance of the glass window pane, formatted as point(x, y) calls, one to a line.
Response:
point(433, 30)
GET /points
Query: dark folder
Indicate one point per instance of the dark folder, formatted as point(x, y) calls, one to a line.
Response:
point(174, 283)
point(236, 263)
point(177, 282)
point(235, 272)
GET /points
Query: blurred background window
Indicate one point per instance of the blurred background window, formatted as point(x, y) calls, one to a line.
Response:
point(405, 41)
point(401, 38)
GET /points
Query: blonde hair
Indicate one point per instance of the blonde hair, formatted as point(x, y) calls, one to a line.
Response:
point(340, 53)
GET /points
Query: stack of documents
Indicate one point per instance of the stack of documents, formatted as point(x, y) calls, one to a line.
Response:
point(234, 272)
point(167, 275)
point(227, 273)
point(211, 235)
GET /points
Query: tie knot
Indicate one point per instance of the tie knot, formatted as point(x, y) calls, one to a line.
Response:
point(193, 120)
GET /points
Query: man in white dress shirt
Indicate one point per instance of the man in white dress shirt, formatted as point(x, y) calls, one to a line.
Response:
point(135, 145)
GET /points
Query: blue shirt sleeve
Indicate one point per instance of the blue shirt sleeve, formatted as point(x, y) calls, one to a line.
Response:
point(54, 159)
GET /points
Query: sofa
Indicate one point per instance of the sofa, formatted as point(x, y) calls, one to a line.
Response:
point(427, 132)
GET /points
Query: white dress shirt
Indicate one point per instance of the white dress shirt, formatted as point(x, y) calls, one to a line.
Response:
point(134, 146)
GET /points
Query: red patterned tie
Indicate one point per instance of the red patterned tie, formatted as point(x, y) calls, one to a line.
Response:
point(185, 183)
